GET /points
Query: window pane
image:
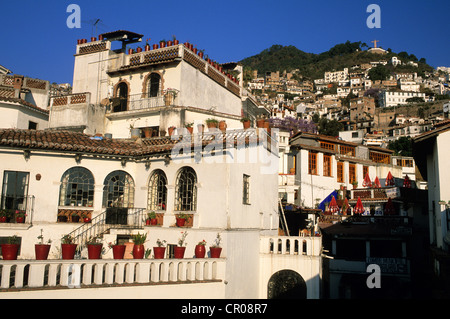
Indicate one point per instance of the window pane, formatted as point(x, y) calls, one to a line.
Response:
point(77, 187)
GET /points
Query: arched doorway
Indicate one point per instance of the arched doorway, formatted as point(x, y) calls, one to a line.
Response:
point(120, 102)
point(286, 284)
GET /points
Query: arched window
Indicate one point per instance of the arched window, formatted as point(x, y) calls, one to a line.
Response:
point(186, 190)
point(157, 191)
point(154, 84)
point(118, 190)
point(77, 187)
point(120, 102)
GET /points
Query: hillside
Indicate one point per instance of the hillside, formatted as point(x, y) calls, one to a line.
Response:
point(313, 66)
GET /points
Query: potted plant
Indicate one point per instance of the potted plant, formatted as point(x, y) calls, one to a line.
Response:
point(223, 126)
point(160, 250)
point(11, 249)
point(162, 43)
point(138, 49)
point(85, 217)
point(212, 123)
point(68, 248)
point(260, 123)
point(42, 249)
point(3, 216)
point(118, 250)
point(138, 248)
point(155, 46)
point(148, 132)
point(147, 45)
point(355, 184)
point(179, 250)
point(171, 129)
point(75, 217)
point(175, 41)
point(181, 219)
point(189, 127)
point(215, 249)
point(95, 247)
point(246, 122)
point(62, 218)
point(20, 216)
point(169, 96)
point(200, 249)
point(151, 218)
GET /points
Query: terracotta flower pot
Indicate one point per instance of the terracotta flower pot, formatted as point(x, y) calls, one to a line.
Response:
point(222, 126)
point(159, 252)
point(178, 252)
point(9, 251)
point(154, 221)
point(95, 251)
point(181, 222)
point(41, 251)
point(200, 251)
point(215, 252)
point(68, 251)
point(118, 251)
point(246, 124)
point(260, 123)
point(138, 251)
point(155, 46)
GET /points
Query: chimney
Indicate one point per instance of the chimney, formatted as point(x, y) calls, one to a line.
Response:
point(17, 85)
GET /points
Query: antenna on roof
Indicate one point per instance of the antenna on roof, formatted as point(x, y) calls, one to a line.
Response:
point(97, 23)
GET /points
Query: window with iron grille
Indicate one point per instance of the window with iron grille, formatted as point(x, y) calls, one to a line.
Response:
point(118, 190)
point(186, 190)
point(157, 191)
point(246, 190)
point(77, 187)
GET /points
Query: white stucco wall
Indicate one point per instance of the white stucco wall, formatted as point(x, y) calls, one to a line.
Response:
point(17, 116)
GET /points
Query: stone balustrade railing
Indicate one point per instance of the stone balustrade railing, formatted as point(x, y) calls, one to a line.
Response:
point(79, 273)
point(291, 245)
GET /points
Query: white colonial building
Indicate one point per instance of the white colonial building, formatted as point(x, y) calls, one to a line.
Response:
point(85, 177)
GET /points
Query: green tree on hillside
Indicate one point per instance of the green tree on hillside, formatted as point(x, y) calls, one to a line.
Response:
point(402, 146)
point(379, 73)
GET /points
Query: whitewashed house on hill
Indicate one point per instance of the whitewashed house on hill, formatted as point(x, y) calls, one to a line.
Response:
point(154, 88)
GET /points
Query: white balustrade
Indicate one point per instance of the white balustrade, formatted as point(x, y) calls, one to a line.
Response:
point(85, 272)
point(291, 245)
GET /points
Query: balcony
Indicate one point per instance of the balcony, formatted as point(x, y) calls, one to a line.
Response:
point(141, 102)
point(286, 179)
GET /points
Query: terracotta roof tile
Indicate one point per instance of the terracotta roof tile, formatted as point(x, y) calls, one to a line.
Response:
point(68, 141)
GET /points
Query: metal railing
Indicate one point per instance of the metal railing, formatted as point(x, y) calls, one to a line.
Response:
point(12, 207)
point(113, 217)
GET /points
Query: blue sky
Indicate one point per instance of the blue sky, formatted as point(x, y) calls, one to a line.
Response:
point(36, 41)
